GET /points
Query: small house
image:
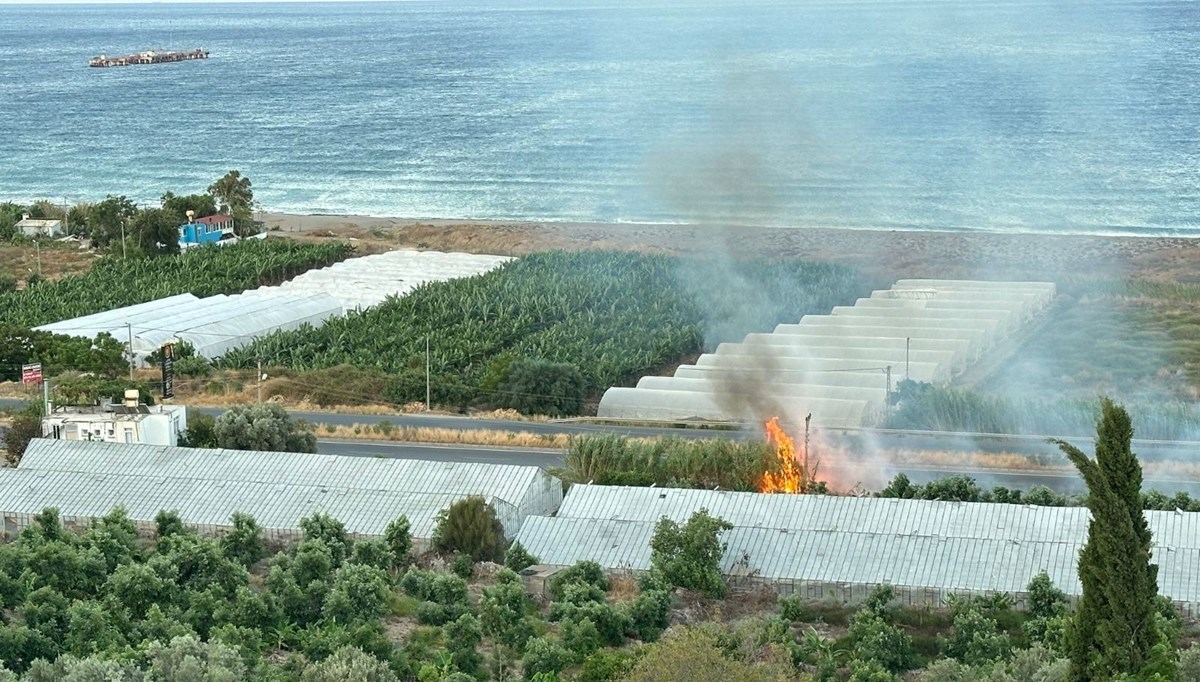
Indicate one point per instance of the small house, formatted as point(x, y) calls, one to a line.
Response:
point(207, 230)
point(128, 422)
point(37, 228)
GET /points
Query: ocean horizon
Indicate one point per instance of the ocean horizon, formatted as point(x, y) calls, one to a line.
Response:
point(1023, 116)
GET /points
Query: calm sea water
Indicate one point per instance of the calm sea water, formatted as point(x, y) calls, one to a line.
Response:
point(1051, 115)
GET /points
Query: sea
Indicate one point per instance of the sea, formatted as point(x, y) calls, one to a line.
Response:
point(1061, 116)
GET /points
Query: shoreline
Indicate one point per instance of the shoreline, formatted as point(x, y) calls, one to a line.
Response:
point(886, 253)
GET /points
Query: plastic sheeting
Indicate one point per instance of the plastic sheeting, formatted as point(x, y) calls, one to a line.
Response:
point(218, 324)
point(929, 547)
point(91, 477)
point(840, 367)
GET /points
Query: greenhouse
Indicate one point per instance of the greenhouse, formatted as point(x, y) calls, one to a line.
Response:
point(518, 491)
point(207, 505)
point(367, 281)
point(218, 324)
point(816, 546)
point(921, 330)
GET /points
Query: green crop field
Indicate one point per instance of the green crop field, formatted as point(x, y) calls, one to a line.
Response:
point(116, 282)
point(611, 315)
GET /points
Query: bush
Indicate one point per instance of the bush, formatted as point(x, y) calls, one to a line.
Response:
point(262, 427)
point(876, 641)
point(517, 559)
point(543, 656)
point(611, 623)
point(463, 637)
point(326, 529)
point(359, 594)
point(580, 637)
point(975, 640)
point(689, 556)
point(243, 544)
point(470, 526)
point(372, 552)
point(201, 431)
point(604, 666)
point(26, 425)
point(650, 614)
point(463, 566)
point(584, 572)
point(399, 541)
point(541, 387)
point(349, 664)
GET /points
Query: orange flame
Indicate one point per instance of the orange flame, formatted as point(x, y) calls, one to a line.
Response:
point(791, 475)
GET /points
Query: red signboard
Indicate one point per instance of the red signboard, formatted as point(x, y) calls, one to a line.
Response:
point(31, 374)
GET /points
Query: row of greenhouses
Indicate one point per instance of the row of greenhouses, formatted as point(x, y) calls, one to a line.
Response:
point(818, 546)
point(841, 367)
point(214, 325)
point(86, 479)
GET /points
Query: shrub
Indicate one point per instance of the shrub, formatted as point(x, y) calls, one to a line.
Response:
point(349, 664)
point(543, 656)
point(689, 556)
point(359, 594)
point(611, 624)
point(262, 427)
point(517, 559)
point(463, 566)
point(650, 614)
point(399, 541)
point(580, 637)
point(470, 526)
point(604, 666)
point(243, 544)
point(330, 531)
point(975, 641)
point(584, 572)
point(876, 641)
point(541, 387)
point(463, 637)
point(372, 552)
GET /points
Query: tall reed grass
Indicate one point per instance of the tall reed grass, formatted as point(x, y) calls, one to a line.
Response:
point(672, 462)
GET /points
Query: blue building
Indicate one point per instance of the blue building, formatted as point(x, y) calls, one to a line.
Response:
point(207, 230)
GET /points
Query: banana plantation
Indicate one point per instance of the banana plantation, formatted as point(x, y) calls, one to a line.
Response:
point(115, 282)
point(610, 315)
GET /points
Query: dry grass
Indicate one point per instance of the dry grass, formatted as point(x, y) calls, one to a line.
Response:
point(978, 460)
point(58, 259)
point(448, 436)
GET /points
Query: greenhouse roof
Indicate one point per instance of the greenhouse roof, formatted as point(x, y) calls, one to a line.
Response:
point(923, 330)
point(211, 502)
point(915, 543)
point(508, 483)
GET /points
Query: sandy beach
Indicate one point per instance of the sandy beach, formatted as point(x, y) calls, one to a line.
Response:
point(886, 253)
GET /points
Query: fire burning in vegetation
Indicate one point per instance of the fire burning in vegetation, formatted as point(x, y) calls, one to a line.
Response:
point(792, 476)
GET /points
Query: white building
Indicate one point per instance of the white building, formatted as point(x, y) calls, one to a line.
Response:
point(130, 422)
point(35, 228)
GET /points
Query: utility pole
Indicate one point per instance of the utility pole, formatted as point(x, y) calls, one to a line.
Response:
point(46, 395)
point(37, 246)
point(124, 255)
point(260, 378)
point(427, 405)
point(129, 328)
point(888, 370)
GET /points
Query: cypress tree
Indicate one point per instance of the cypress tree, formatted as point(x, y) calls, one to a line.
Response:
point(1114, 629)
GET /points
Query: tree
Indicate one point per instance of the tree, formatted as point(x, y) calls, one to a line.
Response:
point(518, 558)
point(541, 387)
point(359, 594)
point(399, 541)
point(107, 218)
point(470, 526)
point(695, 654)
point(1114, 630)
point(236, 198)
point(689, 556)
point(200, 205)
point(201, 431)
point(262, 427)
point(26, 426)
point(157, 231)
point(187, 659)
point(349, 664)
point(244, 543)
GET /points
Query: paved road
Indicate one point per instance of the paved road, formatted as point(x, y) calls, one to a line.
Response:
point(871, 476)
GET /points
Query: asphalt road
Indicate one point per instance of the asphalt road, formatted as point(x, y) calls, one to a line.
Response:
point(852, 440)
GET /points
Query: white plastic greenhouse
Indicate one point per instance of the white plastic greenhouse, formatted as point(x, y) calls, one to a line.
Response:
point(218, 324)
point(86, 479)
point(819, 546)
point(840, 367)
